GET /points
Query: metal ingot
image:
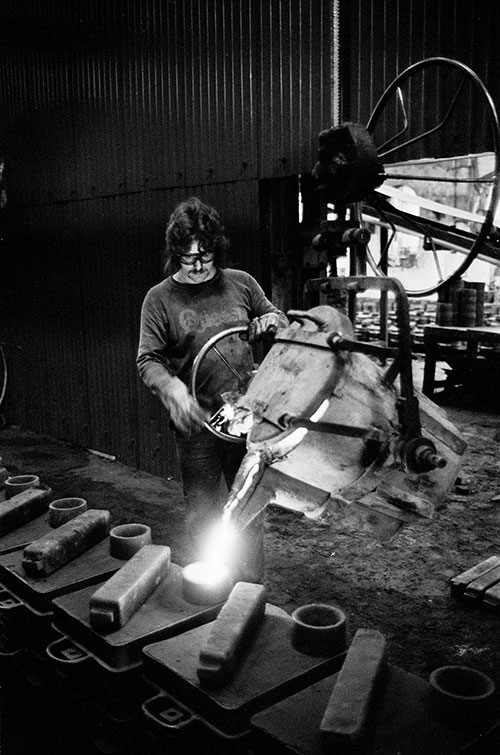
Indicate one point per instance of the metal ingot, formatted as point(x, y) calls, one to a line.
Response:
point(93, 565)
point(18, 483)
point(58, 547)
point(22, 508)
point(118, 599)
point(319, 629)
point(64, 509)
point(231, 632)
point(347, 716)
point(127, 539)
point(206, 583)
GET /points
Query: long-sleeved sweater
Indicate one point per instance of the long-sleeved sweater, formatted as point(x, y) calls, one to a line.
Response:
point(177, 319)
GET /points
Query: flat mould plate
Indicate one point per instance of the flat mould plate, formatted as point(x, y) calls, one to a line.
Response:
point(25, 534)
point(270, 669)
point(95, 565)
point(401, 722)
point(163, 614)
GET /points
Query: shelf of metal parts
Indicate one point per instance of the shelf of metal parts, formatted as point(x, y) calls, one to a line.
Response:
point(26, 602)
point(401, 721)
point(269, 670)
point(20, 537)
point(112, 662)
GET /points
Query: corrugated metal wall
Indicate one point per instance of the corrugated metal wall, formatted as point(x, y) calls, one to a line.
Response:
point(111, 113)
point(381, 38)
point(123, 96)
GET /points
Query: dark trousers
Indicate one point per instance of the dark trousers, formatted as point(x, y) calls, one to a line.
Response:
point(208, 467)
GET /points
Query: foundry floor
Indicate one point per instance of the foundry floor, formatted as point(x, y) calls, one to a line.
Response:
point(401, 589)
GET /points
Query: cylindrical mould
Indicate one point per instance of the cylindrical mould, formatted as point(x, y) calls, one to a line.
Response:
point(19, 483)
point(127, 539)
point(319, 629)
point(206, 583)
point(460, 696)
point(64, 509)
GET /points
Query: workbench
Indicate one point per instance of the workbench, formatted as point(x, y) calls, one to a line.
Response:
point(468, 351)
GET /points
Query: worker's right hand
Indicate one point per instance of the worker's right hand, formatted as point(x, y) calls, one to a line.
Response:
point(185, 412)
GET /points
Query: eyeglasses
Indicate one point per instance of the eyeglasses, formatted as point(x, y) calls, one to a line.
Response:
point(190, 259)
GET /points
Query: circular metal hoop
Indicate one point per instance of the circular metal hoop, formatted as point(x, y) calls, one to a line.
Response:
point(210, 345)
point(397, 99)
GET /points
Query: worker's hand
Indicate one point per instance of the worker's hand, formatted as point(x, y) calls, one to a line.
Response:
point(260, 326)
point(185, 412)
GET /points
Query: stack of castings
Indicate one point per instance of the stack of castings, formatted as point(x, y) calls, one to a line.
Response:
point(461, 303)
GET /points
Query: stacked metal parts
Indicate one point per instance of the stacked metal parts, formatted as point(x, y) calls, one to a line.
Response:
point(461, 304)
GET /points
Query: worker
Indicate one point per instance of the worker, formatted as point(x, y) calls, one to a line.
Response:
point(199, 298)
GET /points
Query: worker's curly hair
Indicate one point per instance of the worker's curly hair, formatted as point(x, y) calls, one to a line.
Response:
point(194, 219)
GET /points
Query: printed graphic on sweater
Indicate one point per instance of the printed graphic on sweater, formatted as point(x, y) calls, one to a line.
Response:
point(190, 321)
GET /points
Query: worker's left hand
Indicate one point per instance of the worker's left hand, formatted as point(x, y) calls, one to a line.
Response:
point(260, 326)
